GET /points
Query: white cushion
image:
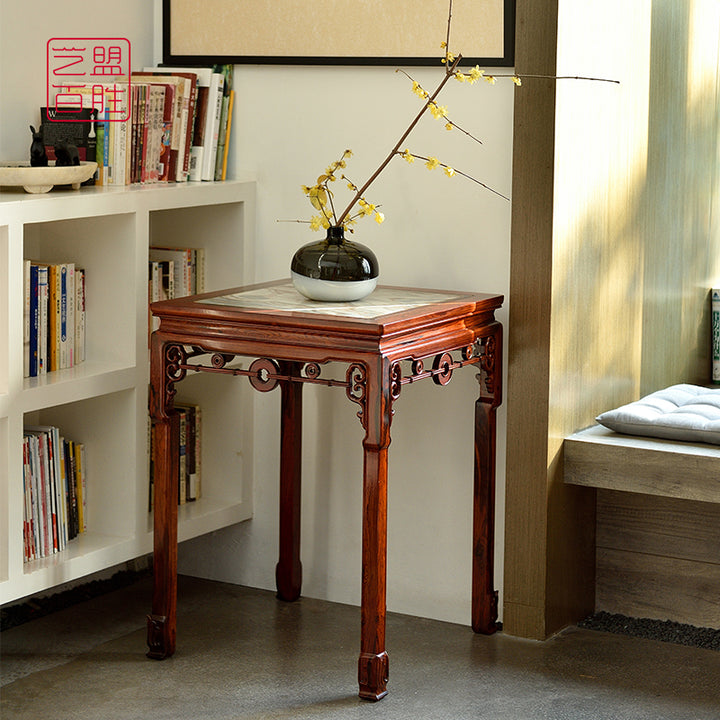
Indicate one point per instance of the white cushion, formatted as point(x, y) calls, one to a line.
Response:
point(680, 412)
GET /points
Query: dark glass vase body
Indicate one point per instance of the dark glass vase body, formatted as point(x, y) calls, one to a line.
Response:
point(334, 269)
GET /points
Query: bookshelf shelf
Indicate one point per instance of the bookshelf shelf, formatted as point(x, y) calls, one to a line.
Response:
point(102, 401)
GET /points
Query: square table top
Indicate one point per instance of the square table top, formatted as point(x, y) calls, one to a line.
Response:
point(276, 306)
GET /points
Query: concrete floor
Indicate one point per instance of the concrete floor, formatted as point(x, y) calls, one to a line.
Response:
point(243, 654)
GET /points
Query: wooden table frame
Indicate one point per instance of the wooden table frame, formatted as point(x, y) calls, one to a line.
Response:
point(381, 355)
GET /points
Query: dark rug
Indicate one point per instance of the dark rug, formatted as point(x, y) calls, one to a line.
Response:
point(663, 630)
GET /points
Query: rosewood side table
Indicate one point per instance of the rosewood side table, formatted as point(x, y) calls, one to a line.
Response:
point(383, 343)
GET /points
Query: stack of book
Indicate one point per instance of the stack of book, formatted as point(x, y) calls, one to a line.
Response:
point(165, 125)
point(54, 487)
point(189, 462)
point(174, 272)
point(54, 317)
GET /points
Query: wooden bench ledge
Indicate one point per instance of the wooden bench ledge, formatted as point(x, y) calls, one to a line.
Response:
point(600, 458)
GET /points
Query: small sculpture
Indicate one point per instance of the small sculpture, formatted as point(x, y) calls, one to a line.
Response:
point(38, 156)
point(66, 154)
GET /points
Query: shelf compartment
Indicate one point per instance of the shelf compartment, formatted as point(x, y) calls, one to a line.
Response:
point(226, 455)
point(106, 248)
point(189, 227)
point(106, 425)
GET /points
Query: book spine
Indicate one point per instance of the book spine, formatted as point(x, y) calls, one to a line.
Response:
point(231, 106)
point(43, 312)
point(79, 486)
point(79, 315)
point(34, 322)
point(216, 103)
point(64, 349)
point(182, 465)
point(26, 318)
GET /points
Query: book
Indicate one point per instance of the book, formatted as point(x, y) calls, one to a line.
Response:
point(209, 93)
point(223, 172)
point(190, 114)
point(172, 139)
point(79, 315)
point(33, 319)
point(175, 119)
point(54, 313)
point(215, 101)
point(54, 487)
point(26, 317)
point(155, 112)
point(43, 314)
point(190, 454)
point(183, 260)
point(223, 135)
point(80, 485)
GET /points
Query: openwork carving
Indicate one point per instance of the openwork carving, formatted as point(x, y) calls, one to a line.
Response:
point(311, 370)
point(356, 388)
point(487, 364)
point(442, 369)
point(175, 358)
point(220, 360)
point(395, 380)
point(264, 374)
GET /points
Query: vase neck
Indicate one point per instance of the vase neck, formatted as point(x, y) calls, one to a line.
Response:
point(335, 234)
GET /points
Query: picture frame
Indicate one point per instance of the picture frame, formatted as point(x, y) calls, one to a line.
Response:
point(337, 32)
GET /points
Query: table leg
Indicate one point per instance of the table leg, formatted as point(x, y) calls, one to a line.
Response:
point(288, 571)
point(161, 623)
point(484, 596)
point(373, 662)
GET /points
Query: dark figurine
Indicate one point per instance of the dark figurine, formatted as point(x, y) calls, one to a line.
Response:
point(66, 154)
point(38, 156)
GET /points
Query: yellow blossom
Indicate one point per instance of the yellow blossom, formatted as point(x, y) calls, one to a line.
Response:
point(418, 89)
point(432, 163)
point(318, 197)
point(438, 111)
point(476, 73)
point(448, 126)
point(517, 80)
point(449, 171)
point(379, 218)
point(489, 79)
point(315, 222)
point(407, 155)
point(365, 207)
point(460, 77)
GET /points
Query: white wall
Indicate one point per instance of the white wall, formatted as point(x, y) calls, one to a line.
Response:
point(26, 27)
point(289, 124)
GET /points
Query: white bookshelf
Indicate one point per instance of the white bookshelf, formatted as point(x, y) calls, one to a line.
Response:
point(102, 402)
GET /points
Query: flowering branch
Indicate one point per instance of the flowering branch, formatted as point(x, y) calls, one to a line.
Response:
point(432, 162)
point(320, 194)
point(431, 100)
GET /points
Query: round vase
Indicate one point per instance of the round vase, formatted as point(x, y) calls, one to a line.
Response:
point(334, 269)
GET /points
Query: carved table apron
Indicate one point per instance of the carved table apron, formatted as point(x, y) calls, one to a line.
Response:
point(394, 337)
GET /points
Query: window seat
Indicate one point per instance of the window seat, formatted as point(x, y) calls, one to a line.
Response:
point(601, 458)
point(657, 534)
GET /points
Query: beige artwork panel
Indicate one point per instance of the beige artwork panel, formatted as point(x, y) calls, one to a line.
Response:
point(335, 28)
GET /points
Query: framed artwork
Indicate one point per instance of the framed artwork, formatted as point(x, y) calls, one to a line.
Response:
point(337, 32)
